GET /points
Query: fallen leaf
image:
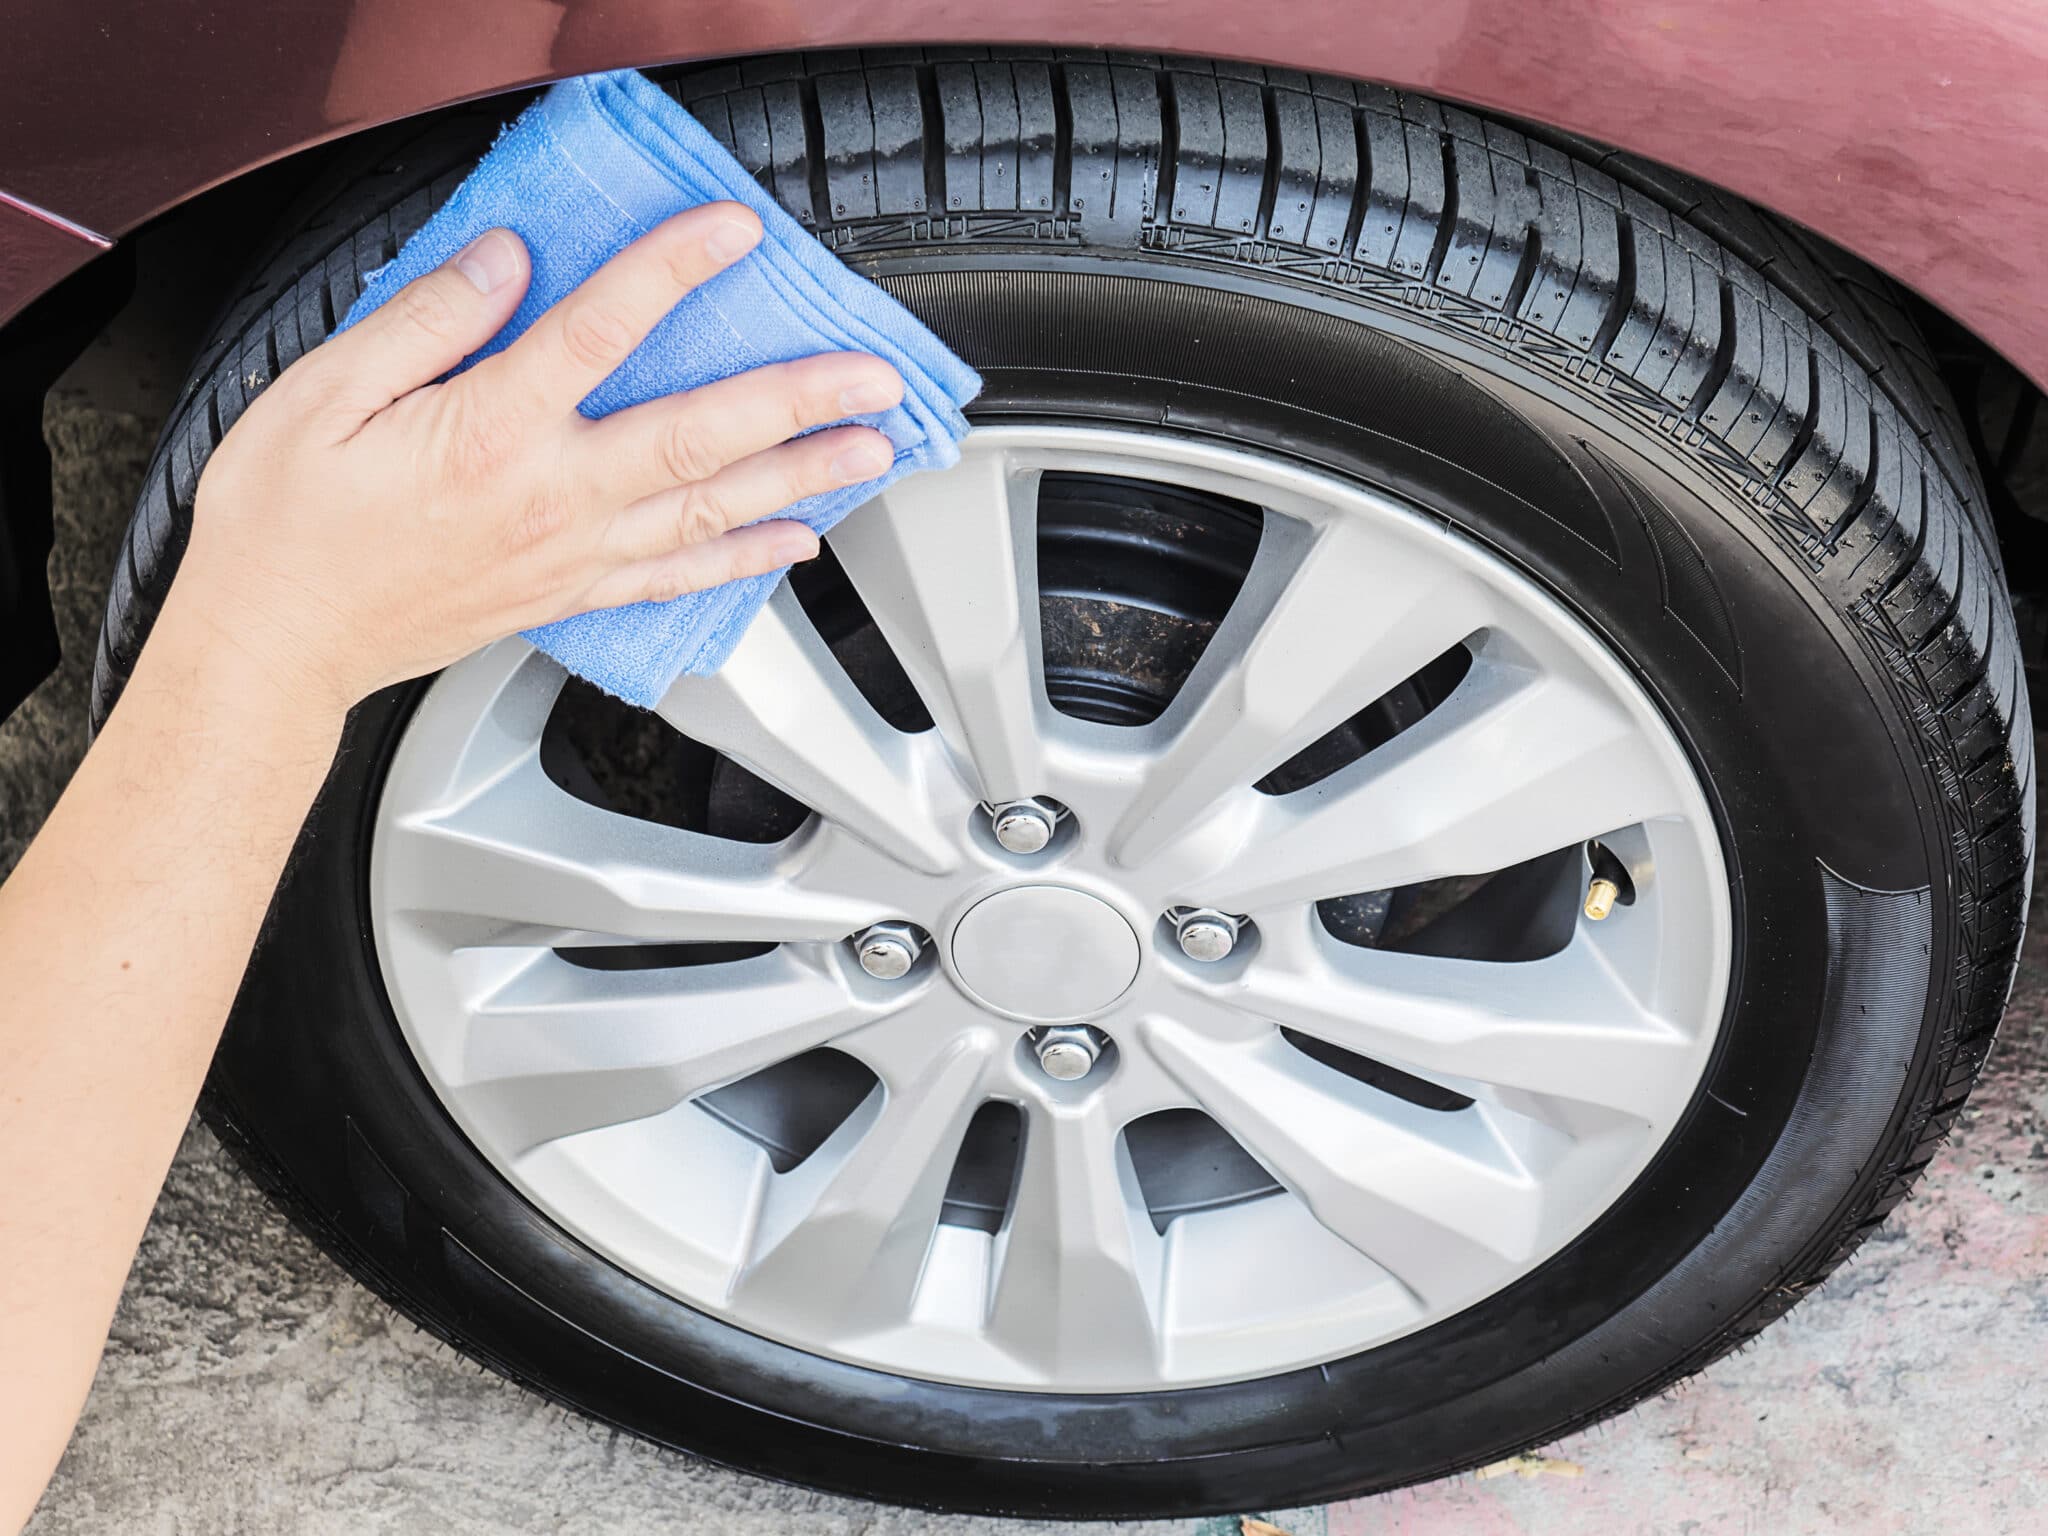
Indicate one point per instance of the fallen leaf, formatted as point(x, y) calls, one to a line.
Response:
point(1247, 1526)
point(1532, 1466)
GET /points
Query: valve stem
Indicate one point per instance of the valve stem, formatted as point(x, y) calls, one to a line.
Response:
point(1610, 882)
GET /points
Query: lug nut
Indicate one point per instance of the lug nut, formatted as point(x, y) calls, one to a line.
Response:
point(1025, 826)
point(1068, 1052)
point(1204, 933)
point(887, 951)
point(1600, 899)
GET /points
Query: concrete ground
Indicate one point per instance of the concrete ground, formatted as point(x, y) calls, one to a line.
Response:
point(251, 1387)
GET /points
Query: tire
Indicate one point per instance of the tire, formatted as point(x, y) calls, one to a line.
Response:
point(1722, 447)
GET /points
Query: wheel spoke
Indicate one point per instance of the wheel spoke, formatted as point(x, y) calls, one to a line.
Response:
point(557, 1049)
point(784, 707)
point(1566, 1027)
point(1329, 619)
point(841, 1240)
point(1433, 1198)
point(948, 565)
point(1516, 763)
point(1078, 1260)
point(522, 861)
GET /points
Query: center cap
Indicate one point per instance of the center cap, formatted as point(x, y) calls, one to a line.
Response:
point(1045, 953)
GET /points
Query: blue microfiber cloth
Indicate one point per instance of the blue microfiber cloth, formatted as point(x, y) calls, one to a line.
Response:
point(588, 168)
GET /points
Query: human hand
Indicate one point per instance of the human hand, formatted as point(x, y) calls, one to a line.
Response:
point(362, 524)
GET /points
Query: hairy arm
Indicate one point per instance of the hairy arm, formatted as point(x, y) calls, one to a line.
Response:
point(362, 524)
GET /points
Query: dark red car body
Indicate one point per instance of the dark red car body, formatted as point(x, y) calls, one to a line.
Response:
point(1913, 132)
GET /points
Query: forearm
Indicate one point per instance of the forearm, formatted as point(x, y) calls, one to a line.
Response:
point(123, 936)
point(368, 518)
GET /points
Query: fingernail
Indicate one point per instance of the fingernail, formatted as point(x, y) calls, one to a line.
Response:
point(489, 261)
point(861, 461)
point(731, 239)
point(799, 545)
point(870, 395)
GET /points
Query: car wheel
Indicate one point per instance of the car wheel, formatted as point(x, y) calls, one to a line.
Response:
point(1426, 832)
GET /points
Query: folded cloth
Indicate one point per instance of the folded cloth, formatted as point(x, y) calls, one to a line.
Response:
point(591, 166)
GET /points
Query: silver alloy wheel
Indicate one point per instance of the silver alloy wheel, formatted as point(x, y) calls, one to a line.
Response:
point(578, 1084)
